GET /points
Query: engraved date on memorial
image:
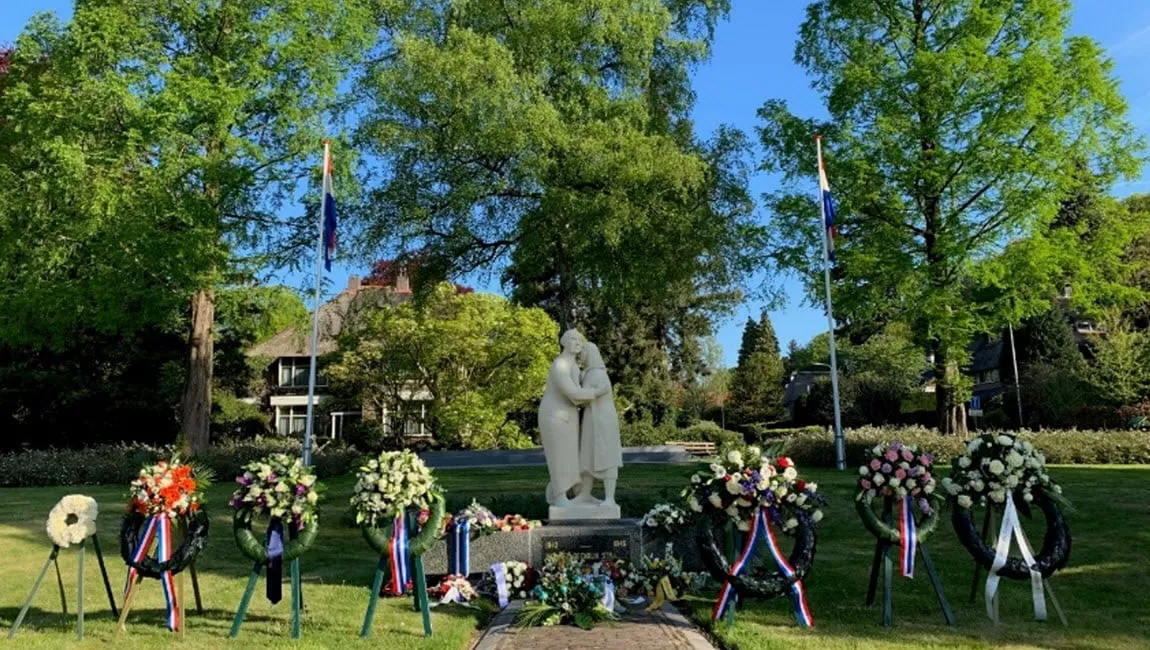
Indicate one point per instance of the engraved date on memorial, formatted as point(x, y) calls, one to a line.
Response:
point(587, 548)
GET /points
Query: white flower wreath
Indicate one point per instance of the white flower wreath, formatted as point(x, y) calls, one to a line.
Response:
point(72, 520)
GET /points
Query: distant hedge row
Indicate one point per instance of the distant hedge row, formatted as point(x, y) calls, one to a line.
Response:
point(1061, 447)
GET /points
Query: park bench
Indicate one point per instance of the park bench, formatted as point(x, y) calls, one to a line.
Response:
point(696, 448)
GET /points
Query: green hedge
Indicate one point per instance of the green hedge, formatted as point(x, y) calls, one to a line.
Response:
point(1060, 447)
point(644, 434)
point(120, 463)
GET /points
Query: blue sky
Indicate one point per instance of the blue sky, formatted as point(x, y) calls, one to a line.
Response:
point(752, 63)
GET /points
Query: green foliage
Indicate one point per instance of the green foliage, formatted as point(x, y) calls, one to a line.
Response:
point(1060, 447)
point(1120, 370)
point(235, 418)
point(643, 433)
point(479, 358)
point(757, 382)
point(951, 128)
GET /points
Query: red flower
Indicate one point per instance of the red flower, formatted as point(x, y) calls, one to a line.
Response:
point(783, 462)
point(800, 485)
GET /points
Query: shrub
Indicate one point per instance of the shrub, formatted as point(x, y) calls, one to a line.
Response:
point(707, 432)
point(1060, 447)
point(644, 433)
point(120, 463)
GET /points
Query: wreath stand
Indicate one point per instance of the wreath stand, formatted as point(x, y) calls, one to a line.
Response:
point(882, 550)
point(989, 523)
point(296, 588)
point(52, 560)
point(414, 554)
point(178, 576)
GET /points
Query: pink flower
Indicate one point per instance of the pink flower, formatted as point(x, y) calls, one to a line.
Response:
point(916, 491)
point(865, 484)
point(891, 455)
point(924, 460)
point(907, 455)
point(926, 477)
point(875, 464)
point(900, 474)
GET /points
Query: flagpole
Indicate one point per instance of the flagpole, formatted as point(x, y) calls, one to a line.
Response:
point(840, 442)
point(307, 436)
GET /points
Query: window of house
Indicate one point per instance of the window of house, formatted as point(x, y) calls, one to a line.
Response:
point(294, 372)
point(292, 420)
point(409, 417)
point(341, 419)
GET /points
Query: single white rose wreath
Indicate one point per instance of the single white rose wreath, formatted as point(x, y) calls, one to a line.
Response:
point(72, 520)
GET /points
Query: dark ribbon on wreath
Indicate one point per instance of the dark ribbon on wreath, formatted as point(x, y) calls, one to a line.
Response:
point(762, 529)
point(135, 546)
point(275, 553)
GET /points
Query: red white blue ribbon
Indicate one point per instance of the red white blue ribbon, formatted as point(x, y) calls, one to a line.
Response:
point(397, 556)
point(158, 528)
point(907, 537)
point(459, 548)
point(798, 592)
point(727, 593)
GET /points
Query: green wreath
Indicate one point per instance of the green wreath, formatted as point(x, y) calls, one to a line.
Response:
point(887, 532)
point(379, 536)
point(295, 546)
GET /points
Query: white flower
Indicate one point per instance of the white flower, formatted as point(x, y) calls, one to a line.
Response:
point(910, 483)
point(734, 487)
point(964, 462)
point(719, 471)
point(1012, 481)
point(72, 520)
point(878, 450)
point(894, 482)
point(696, 479)
point(879, 479)
point(694, 504)
point(732, 511)
point(312, 497)
point(951, 487)
point(1027, 496)
point(755, 453)
point(1006, 441)
point(864, 470)
point(996, 467)
point(735, 457)
point(973, 445)
point(744, 526)
point(791, 523)
point(977, 485)
point(813, 487)
point(929, 487)
point(716, 500)
point(817, 515)
point(998, 496)
point(964, 501)
point(790, 473)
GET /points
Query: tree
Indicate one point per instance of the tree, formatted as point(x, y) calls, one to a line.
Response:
point(757, 383)
point(879, 374)
point(553, 142)
point(1120, 370)
point(953, 127)
point(480, 359)
point(205, 119)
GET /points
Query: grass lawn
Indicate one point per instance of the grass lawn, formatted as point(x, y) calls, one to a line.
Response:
point(1105, 591)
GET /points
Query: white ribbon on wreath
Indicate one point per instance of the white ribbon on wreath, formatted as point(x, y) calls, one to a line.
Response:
point(1010, 530)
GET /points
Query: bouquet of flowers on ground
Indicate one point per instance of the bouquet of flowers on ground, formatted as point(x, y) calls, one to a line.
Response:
point(897, 470)
point(996, 466)
point(521, 578)
point(167, 488)
point(617, 569)
point(744, 480)
point(651, 570)
point(565, 594)
point(483, 521)
point(453, 589)
point(664, 518)
point(386, 486)
point(279, 486)
point(511, 523)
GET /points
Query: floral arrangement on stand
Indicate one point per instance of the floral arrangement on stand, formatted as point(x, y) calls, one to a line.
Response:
point(483, 521)
point(740, 485)
point(902, 475)
point(516, 523)
point(566, 594)
point(167, 488)
point(664, 518)
point(651, 572)
point(72, 520)
point(281, 488)
point(388, 485)
point(995, 466)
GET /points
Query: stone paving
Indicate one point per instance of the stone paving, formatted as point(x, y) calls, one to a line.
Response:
point(663, 629)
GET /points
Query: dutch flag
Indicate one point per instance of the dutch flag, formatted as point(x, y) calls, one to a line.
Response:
point(328, 209)
point(828, 203)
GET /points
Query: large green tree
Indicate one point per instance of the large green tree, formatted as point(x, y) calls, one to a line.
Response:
point(757, 381)
point(479, 360)
point(164, 140)
point(953, 127)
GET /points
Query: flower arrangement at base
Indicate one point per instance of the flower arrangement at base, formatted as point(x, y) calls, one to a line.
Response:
point(281, 488)
point(453, 589)
point(516, 523)
point(997, 465)
point(646, 577)
point(521, 578)
point(165, 494)
point(566, 595)
point(72, 520)
point(664, 518)
point(483, 521)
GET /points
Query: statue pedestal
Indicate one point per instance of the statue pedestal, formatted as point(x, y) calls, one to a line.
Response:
point(584, 512)
point(587, 541)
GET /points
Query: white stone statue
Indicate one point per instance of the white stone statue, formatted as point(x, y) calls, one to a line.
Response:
point(559, 421)
point(600, 451)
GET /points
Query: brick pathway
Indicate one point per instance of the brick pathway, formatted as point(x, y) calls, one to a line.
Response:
point(664, 629)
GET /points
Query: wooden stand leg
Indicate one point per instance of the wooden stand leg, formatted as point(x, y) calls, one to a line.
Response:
point(373, 598)
point(421, 593)
point(245, 601)
point(127, 606)
point(196, 589)
point(987, 523)
point(936, 583)
point(80, 596)
point(32, 594)
point(1054, 601)
point(180, 589)
point(60, 583)
point(296, 598)
point(887, 588)
point(104, 574)
point(876, 563)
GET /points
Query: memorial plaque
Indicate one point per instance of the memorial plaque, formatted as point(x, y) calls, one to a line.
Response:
point(588, 548)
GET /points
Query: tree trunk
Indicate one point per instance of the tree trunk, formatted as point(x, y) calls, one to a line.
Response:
point(196, 409)
point(948, 409)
